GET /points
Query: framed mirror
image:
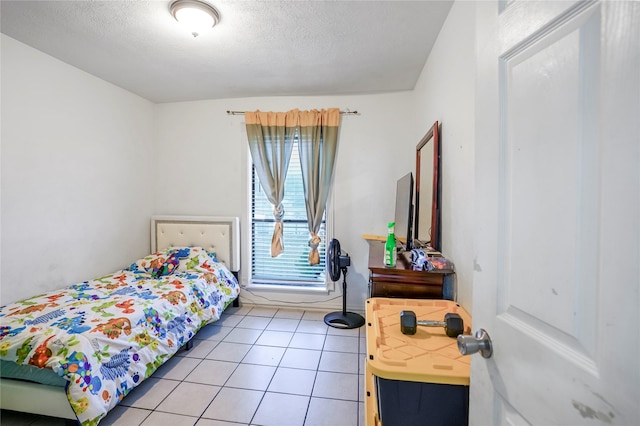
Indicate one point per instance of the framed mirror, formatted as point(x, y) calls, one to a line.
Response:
point(428, 191)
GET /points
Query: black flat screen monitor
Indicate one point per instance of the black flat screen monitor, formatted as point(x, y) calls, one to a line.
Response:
point(404, 211)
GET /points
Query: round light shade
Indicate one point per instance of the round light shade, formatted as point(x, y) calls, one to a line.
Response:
point(195, 15)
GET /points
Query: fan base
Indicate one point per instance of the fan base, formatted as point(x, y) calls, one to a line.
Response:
point(344, 320)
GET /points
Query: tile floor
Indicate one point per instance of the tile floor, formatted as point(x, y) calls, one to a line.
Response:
point(256, 366)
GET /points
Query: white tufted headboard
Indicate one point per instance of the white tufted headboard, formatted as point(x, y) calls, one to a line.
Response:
point(218, 234)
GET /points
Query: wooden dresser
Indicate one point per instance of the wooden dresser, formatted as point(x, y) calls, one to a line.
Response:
point(402, 281)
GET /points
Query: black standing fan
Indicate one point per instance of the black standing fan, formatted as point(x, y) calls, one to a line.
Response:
point(336, 262)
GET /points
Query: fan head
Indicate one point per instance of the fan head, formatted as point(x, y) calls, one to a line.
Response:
point(336, 261)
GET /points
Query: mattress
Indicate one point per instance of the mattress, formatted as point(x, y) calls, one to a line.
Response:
point(45, 376)
point(103, 337)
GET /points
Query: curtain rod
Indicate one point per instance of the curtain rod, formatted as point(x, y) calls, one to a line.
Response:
point(242, 112)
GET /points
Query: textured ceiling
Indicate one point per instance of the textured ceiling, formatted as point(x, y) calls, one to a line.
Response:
point(259, 48)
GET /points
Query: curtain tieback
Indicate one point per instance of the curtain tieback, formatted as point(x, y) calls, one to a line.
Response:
point(277, 245)
point(314, 241)
point(278, 212)
point(314, 255)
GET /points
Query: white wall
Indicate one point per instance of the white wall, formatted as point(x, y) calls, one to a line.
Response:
point(201, 169)
point(76, 169)
point(446, 92)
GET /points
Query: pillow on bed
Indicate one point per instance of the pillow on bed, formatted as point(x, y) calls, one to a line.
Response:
point(157, 264)
point(213, 256)
point(174, 259)
point(197, 259)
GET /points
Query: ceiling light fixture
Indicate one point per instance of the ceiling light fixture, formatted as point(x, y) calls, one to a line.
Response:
point(195, 15)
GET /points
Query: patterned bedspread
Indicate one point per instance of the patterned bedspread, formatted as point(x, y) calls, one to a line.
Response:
point(105, 336)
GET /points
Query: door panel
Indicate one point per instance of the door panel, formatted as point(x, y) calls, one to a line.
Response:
point(548, 184)
point(557, 242)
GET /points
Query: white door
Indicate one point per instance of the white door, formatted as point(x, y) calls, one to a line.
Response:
point(556, 278)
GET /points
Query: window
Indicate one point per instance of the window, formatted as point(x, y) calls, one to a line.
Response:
point(292, 266)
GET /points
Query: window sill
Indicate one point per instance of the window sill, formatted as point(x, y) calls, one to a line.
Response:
point(288, 288)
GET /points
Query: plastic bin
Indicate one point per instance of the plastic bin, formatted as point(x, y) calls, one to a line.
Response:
point(419, 379)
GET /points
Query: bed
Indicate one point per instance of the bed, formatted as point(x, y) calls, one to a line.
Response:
point(77, 352)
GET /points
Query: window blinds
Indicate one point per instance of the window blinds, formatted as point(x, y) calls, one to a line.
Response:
point(292, 266)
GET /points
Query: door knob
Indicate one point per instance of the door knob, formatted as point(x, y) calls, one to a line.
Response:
point(481, 342)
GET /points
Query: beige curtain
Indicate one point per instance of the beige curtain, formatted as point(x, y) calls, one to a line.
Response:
point(318, 142)
point(271, 136)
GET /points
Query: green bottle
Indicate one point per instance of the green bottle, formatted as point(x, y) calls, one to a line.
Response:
point(390, 247)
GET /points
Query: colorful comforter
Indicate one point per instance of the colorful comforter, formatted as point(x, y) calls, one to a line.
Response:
point(107, 335)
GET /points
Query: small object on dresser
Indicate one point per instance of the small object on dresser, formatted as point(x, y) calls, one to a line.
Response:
point(390, 250)
point(420, 261)
point(440, 263)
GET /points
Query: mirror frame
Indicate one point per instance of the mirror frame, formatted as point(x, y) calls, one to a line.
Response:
point(435, 236)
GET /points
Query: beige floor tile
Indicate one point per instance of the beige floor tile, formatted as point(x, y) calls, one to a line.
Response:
point(362, 364)
point(177, 368)
point(336, 386)
point(314, 315)
point(250, 376)
point(189, 399)
point(315, 327)
point(264, 355)
point(212, 372)
point(150, 393)
point(278, 409)
point(243, 335)
point(307, 341)
point(158, 418)
point(301, 358)
point(200, 349)
point(283, 324)
point(123, 416)
point(331, 412)
point(346, 332)
point(229, 320)
point(213, 332)
point(362, 346)
point(257, 323)
point(341, 344)
point(339, 362)
point(211, 422)
point(227, 351)
point(263, 311)
point(275, 338)
point(234, 405)
point(293, 381)
point(289, 313)
point(241, 310)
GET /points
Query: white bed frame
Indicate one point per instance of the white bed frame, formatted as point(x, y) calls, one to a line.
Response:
point(218, 234)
